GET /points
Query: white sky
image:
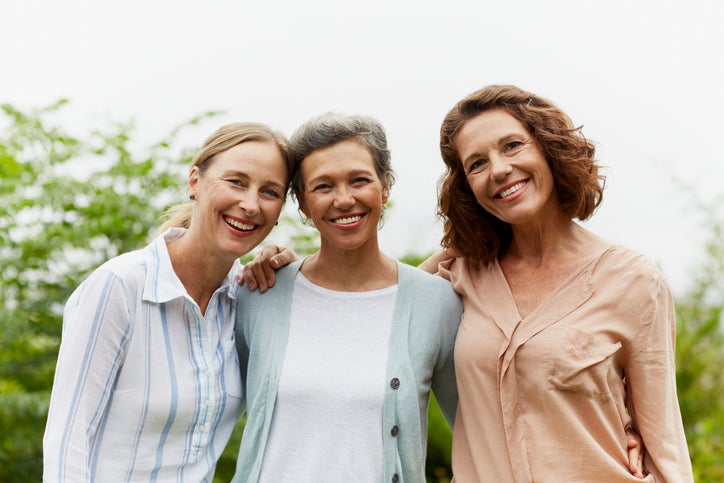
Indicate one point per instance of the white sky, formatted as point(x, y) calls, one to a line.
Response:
point(644, 77)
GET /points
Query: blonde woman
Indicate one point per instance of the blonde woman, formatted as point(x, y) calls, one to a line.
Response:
point(147, 385)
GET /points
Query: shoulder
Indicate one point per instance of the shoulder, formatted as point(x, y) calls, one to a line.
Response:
point(282, 289)
point(630, 281)
point(126, 268)
point(628, 266)
point(424, 286)
point(408, 273)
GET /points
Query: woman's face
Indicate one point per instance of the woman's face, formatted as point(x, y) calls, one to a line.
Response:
point(505, 167)
point(239, 197)
point(343, 195)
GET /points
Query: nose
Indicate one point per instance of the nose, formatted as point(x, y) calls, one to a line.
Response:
point(249, 203)
point(499, 168)
point(343, 198)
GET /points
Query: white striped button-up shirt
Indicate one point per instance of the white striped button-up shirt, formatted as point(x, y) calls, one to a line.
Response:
point(146, 387)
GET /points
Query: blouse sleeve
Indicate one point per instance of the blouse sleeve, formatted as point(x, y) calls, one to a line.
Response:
point(651, 379)
point(96, 329)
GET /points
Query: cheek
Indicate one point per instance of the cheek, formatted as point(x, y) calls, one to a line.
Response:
point(478, 187)
point(274, 209)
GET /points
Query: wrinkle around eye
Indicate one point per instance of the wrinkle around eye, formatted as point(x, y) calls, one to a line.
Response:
point(476, 166)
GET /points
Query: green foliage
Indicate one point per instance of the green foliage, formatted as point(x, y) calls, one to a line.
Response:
point(700, 362)
point(66, 204)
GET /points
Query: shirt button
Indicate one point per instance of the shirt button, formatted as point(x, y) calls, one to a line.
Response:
point(395, 478)
point(394, 430)
point(395, 383)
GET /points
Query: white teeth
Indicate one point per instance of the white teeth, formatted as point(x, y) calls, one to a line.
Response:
point(240, 226)
point(512, 189)
point(348, 220)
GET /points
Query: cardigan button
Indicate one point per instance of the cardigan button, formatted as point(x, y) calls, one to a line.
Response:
point(394, 430)
point(394, 383)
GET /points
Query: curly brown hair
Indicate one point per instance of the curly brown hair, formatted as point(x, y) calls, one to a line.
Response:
point(578, 185)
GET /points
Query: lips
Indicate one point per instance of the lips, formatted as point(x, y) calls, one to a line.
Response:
point(511, 189)
point(347, 220)
point(239, 224)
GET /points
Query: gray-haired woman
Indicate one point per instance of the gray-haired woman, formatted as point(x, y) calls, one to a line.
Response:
point(340, 358)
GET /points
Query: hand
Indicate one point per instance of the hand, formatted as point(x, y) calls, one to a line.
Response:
point(430, 265)
point(259, 273)
point(636, 453)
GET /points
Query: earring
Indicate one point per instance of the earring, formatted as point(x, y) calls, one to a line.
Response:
point(192, 197)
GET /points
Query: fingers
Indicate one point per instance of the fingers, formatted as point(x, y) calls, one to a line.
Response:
point(283, 258)
point(259, 273)
point(635, 453)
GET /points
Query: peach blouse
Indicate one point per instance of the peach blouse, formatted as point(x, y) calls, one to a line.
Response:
point(548, 398)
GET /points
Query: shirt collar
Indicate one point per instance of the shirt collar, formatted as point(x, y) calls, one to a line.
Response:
point(162, 284)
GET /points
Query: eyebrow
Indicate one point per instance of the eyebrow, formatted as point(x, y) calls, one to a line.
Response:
point(351, 174)
point(242, 174)
point(500, 141)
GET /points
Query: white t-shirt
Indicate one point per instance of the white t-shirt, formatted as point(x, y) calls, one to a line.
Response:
point(327, 421)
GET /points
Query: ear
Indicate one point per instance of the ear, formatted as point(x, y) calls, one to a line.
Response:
point(385, 191)
point(303, 207)
point(193, 182)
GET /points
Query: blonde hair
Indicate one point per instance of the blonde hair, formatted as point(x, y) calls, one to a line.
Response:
point(223, 139)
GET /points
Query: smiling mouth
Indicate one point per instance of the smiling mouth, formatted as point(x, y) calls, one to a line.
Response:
point(507, 192)
point(347, 220)
point(238, 225)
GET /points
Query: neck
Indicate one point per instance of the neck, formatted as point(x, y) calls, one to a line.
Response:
point(197, 266)
point(354, 270)
point(551, 240)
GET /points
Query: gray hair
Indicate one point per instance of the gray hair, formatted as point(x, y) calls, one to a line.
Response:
point(331, 128)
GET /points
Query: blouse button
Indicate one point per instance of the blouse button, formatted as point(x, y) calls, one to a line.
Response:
point(394, 430)
point(395, 478)
point(395, 383)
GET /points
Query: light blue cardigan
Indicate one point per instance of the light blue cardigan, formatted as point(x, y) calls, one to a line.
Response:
point(426, 318)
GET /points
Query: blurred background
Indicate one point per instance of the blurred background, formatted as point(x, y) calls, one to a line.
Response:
point(104, 103)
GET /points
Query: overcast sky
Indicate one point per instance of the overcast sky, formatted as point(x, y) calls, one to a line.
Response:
point(644, 78)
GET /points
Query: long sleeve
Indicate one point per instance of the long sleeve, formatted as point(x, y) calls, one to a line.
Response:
point(443, 380)
point(653, 399)
point(96, 328)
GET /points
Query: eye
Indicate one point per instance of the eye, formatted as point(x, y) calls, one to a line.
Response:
point(271, 193)
point(235, 182)
point(477, 165)
point(321, 188)
point(513, 145)
point(361, 180)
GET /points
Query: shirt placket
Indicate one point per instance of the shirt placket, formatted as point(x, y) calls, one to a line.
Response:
point(207, 370)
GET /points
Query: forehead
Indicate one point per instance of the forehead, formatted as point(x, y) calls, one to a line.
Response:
point(262, 159)
point(338, 158)
point(486, 129)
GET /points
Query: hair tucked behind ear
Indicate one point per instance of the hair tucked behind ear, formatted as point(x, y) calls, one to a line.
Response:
point(223, 139)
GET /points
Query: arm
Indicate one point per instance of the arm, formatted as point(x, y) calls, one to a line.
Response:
point(96, 328)
point(653, 400)
point(259, 273)
point(443, 379)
